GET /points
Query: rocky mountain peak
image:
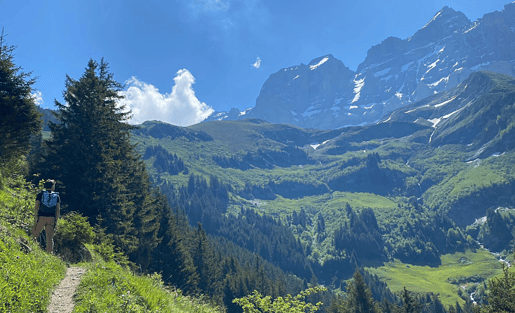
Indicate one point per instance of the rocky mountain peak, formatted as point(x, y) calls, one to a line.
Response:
point(397, 72)
point(445, 23)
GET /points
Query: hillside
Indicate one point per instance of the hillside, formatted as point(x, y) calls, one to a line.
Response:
point(405, 188)
point(30, 275)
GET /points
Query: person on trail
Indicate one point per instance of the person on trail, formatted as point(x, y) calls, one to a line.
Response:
point(46, 212)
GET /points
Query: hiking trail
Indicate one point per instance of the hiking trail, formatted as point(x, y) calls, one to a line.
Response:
point(62, 297)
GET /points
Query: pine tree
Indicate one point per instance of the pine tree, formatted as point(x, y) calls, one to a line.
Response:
point(19, 119)
point(388, 307)
point(410, 304)
point(147, 222)
point(90, 153)
point(502, 293)
point(206, 263)
point(359, 296)
point(171, 257)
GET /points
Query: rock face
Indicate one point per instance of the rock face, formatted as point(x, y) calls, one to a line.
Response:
point(325, 94)
point(478, 113)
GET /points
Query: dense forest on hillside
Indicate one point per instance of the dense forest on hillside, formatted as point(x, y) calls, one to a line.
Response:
point(262, 215)
point(355, 197)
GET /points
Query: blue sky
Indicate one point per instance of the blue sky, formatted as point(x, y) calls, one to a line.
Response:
point(181, 59)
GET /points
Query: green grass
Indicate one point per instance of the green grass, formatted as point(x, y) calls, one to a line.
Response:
point(422, 279)
point(27, 274)
point(26, 278)
point(478, 175)
point(108, 287)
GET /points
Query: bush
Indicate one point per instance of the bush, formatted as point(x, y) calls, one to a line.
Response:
point(256, 303)
point(72, 233)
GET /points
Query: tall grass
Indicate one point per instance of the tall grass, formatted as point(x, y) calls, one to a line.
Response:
point(108, 287)
point(27, 274)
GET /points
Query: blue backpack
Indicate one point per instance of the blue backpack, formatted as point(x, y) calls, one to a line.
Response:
point(49, 202)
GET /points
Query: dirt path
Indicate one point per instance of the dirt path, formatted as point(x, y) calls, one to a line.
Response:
point(62, 297)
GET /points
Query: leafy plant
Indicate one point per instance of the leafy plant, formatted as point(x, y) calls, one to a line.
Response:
point(256, 302)
point(73, 229)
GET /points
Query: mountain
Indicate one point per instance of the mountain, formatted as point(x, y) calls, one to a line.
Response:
point(478, 114)
point(418, 188)
point(325, 94)
point(453, 151)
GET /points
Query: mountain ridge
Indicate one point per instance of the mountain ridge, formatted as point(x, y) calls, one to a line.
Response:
point(395, 73)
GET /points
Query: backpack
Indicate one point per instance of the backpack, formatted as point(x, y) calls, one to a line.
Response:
point(49, 202)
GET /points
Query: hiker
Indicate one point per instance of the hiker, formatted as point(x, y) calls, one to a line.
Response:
point(47, 213)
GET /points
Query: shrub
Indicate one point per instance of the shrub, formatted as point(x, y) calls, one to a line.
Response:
point(73, 232)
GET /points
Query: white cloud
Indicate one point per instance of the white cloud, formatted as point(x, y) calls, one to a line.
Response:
point(257, 64)
point(38, 97)
point(180, 107)
point(211, 5)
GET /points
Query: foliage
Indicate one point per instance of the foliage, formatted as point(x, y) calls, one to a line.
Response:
point(73, 230)
point(359, 297)
point(107, 287)
point(409, 303)
point(90, 153)
point(256, 302)
point(165, 161)
point(501, 297)
point(19, 117)
point(27, 274)
point(496, 233)
point(459, 266)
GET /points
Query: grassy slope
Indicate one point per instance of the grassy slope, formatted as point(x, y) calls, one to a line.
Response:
point(442, 171)
point(108, 287)
point(438, 280)
point(28, 274)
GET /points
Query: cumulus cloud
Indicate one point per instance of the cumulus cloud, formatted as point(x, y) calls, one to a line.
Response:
point(38, 97)
point(180, 107)
point(257, 64)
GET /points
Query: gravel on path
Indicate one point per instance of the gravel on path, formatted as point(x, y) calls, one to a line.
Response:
point(62, 297)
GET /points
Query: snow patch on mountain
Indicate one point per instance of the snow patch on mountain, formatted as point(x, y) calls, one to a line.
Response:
point(413, 110)
point(434, 18)
point(358, 85)
point(445, 102)
point(314, 67)
point(432, 65)
point(446, 79)
point(435, 122)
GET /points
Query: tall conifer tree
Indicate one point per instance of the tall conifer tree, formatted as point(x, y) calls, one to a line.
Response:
point(19, 119)
point(91, 155)
point(206, 263)
point(171, 256)
point(359, 296)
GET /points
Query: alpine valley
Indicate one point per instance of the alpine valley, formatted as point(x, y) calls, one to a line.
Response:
point(403, 169)
point(421, 198)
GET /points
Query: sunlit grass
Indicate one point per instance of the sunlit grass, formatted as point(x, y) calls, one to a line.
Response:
point(108, 287)
point(27, 274)
point(422, 279)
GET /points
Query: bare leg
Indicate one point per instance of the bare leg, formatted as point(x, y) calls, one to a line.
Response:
point(37, 228)
point(49, 229)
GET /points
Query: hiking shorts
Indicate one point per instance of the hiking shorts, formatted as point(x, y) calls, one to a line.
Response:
point(49, 223)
